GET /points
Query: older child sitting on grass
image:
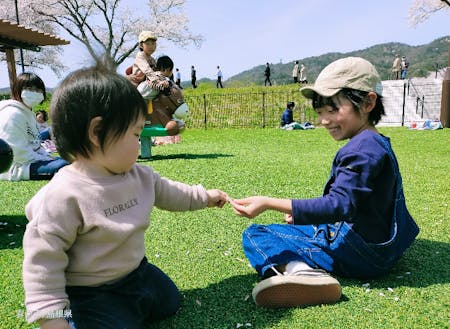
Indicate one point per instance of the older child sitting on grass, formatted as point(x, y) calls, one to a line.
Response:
point(84, 245)
point(360, 227)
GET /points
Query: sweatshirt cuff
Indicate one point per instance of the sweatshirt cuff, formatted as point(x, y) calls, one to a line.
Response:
point(46, 308)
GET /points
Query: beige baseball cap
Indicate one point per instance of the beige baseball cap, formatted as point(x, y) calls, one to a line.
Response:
point(146, 35)
point(350, 72)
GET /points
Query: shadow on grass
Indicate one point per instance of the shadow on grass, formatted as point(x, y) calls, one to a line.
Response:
point(187, 156)
point(222, 305)
point(12, 228)
point(424, 264)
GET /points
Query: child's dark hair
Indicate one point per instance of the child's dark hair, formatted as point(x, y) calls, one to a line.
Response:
point(44, 114)
point(164, 63)
point(86, 94)
point(26, 80)
point(358, 98)
point(290, 105)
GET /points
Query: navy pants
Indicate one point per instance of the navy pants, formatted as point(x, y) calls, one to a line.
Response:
point(145, 295)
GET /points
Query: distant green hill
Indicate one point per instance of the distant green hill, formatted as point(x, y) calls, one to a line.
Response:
point(423, 60)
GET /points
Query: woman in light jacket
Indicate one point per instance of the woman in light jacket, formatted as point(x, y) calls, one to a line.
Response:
point(18, 127)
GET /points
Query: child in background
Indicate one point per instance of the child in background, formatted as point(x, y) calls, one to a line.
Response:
point(44, 129)
point(85, 249)
point(145, 64)
point(360, 227)
point(164, 67)
point(287, 118)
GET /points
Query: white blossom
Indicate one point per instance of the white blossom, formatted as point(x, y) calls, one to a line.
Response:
point(421, 10)
point(106, 28)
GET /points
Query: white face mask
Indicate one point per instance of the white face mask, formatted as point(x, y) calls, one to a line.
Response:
point(31, 98)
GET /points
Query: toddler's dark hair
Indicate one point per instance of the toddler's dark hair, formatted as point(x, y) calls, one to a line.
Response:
point(86, 94)
point(290, 105)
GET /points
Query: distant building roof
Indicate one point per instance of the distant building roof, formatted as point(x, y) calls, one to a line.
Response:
point(13, 36)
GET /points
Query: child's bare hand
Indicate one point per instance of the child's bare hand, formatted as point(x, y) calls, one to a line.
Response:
point(59, 323)
point(288, 219)
point(249, 207)
point(216, 198)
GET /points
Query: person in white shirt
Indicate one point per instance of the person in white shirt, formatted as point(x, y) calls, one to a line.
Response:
point(178, 78)
point(19, 128)
point(219, 76)
point(295, 72)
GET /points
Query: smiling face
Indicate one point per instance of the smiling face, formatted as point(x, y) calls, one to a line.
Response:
point(342, 119)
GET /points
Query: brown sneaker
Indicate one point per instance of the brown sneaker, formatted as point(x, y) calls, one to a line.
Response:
point(309, 287)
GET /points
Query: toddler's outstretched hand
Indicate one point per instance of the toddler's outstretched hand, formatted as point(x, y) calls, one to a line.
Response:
point(216, 198)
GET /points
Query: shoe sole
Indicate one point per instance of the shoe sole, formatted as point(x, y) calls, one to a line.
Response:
point(283, 291)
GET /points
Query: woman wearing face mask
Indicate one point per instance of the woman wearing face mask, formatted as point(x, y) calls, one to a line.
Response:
point(18, 127)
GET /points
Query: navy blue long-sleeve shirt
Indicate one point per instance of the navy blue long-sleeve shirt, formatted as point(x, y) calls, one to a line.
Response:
point(360, 190)
point(287, 117)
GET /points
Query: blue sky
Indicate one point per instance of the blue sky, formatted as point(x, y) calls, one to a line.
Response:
point(241, 34)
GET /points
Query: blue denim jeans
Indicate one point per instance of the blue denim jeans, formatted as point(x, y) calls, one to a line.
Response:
point(143, 296)
point(45, 133)
point(336, 248)
point(43, 170)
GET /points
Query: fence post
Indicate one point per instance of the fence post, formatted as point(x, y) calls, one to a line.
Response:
point(423, 103)
point(204, 110)
point(445, 96)
point(264, 109)
point(403, 106)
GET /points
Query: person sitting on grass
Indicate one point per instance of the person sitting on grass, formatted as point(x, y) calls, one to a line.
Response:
point(84, 245)
point(44, 129)
point(360, 227)
point(287, 118)
point(19, 128)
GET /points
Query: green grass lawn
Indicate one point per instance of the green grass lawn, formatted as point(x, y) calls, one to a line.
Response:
point(201, 251)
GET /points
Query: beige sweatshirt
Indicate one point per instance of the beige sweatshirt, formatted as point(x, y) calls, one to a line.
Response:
point(86, 231)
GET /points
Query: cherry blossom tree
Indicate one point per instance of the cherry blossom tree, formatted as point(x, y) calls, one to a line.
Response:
point(106, 28)
point(420, 10)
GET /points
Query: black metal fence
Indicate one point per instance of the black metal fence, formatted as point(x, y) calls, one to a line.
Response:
point(411, 100)
point(404, 101)
point(244, 110)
